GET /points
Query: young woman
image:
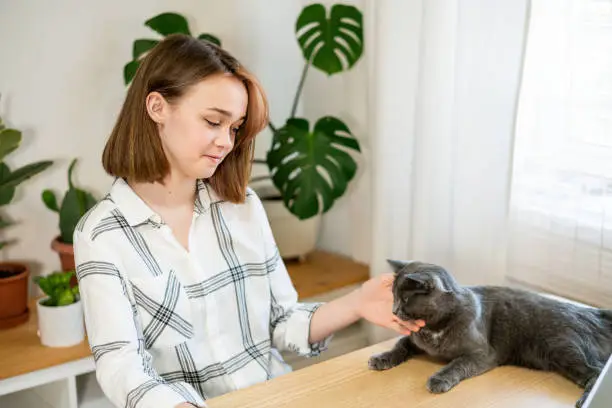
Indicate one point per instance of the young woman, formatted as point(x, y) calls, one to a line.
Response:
point(185, 296)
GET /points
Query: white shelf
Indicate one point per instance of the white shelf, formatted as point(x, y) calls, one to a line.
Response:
point(90, 394)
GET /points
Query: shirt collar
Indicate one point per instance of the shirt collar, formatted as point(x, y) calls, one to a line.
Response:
point(137, 212)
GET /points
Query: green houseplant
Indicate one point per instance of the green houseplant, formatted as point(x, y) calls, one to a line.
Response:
point(13, 275)
point(74, 205)
point(60, 313)
point(163, 24)
point(58, 289)
point(310, 166)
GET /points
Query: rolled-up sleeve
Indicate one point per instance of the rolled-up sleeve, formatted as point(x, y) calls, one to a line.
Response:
point(289, 319)
point(123, 366)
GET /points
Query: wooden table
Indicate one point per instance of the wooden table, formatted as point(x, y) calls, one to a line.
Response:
point(347, 382)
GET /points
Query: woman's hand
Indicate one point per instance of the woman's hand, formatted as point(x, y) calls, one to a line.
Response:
point(375, 304)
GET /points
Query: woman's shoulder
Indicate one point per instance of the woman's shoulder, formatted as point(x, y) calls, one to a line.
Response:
point(95, 217)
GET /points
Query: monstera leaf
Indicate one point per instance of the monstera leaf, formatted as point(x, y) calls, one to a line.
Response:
point(164, 24)
point(334, 43)
point(312, 168)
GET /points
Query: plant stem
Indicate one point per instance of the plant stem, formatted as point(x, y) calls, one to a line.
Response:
point(299, 89)
point(260, 161)
point(272, 127)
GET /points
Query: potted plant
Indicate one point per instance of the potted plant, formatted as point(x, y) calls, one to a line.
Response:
point(75, 204)
point(60, 312)
point(13, 275)
point(310, 167)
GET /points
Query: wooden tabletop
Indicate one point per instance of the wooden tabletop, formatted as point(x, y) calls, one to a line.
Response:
point(21, 351)
point(346, 382)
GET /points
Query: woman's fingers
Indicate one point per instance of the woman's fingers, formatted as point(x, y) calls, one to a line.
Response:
point(400, 329)
point(411, 325)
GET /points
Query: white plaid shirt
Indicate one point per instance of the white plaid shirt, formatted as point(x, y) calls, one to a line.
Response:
point(167, 325)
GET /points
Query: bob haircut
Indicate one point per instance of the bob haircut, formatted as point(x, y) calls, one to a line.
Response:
point(134, 150)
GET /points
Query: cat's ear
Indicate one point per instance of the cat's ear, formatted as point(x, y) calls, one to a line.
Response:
point(398, 265)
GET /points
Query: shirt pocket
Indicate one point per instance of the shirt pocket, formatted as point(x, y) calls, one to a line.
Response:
point(164, 309)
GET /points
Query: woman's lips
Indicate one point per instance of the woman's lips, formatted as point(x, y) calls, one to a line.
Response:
point(214, 159)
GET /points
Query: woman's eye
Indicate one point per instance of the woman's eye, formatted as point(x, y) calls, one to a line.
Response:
point(211, 123)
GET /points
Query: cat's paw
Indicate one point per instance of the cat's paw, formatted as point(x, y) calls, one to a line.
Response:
point(438, 385)
point(381, 362)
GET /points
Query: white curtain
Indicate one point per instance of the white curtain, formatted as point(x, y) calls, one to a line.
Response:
point(444, 78)
point(561, 203)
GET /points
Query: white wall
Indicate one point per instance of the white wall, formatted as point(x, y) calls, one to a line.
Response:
point(62, 84)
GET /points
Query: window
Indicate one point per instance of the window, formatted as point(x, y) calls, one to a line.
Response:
point(560, 236)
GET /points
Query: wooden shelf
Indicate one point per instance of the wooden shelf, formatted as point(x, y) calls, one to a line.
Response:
point(323, 272)
point(21, 351)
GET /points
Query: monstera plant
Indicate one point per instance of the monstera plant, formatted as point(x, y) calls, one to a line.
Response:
point(310, 165)
point(164, 24)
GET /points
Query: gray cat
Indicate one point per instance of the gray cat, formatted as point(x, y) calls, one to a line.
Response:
point(479, 328)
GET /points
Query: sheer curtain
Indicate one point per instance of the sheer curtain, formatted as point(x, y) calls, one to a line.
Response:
point(444, 79)
point(561, 194)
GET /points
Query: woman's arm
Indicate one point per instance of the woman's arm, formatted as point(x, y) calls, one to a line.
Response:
point(373, 301)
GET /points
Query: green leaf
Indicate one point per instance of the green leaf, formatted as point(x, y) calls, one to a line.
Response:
point(210, 37)
point(65, 298)
point(142, 46)
point(23, 173)
point(6, 193)
point(330, 44)
point(129, 70)
point(45, 284)
point(9, 141)
point(70, 170)
point(76, 203)
point(168, 23)
point(312, 169)
point(57, 286)
point(50, 201)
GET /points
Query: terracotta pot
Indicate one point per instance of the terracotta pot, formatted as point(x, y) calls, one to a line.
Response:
point(66, 255)
point(13, 294)
point(65, 252)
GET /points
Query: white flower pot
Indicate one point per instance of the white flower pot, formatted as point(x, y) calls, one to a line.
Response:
point(295, 238)
point(60, 326)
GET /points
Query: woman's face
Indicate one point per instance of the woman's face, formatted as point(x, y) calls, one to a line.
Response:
point(198, 131)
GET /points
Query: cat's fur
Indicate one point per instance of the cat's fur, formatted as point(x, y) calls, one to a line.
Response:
point(479, 328)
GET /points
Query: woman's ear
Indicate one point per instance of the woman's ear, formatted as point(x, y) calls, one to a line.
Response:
point(157, 107)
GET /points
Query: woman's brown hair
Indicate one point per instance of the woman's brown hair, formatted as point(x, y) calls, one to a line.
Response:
point(134, 150)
